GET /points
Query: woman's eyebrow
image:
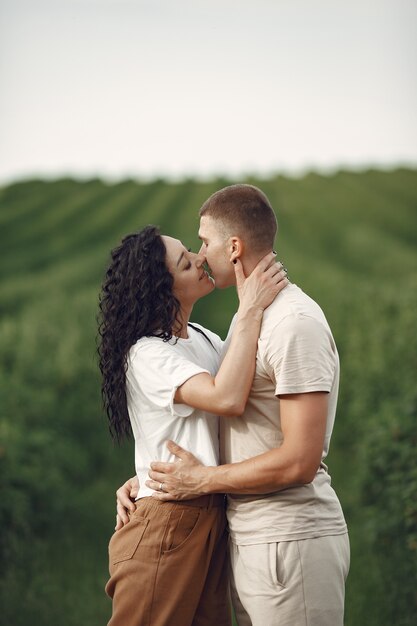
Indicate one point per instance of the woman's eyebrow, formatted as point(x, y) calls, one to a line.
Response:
point(179, 260)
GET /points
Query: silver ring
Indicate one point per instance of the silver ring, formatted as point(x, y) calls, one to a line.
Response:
point(161, 486)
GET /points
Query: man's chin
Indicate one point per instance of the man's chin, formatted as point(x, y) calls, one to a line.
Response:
point(222, 285)
point(222, 282)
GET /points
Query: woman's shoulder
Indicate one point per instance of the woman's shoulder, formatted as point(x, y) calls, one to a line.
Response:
point(214, 339)
point(155, 345)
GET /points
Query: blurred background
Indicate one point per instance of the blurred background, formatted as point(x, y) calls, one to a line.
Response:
point(119, 113)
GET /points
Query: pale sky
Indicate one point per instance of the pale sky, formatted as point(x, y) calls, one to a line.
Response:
point(142, 88)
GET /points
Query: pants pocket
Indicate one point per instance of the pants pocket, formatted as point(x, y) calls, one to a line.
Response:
point(179, 529)
point(276, 562)
point(124, 543)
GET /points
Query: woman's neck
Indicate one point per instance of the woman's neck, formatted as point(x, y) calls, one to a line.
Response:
point(180, 328)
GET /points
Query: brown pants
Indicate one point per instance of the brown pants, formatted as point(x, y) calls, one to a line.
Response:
point(168, 565)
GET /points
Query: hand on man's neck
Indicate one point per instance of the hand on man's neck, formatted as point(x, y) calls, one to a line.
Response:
point(250, 261)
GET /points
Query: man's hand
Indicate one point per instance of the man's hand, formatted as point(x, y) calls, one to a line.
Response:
point(125, 497)
point(182, 480)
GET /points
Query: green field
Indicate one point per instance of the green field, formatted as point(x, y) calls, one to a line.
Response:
point(350, 241)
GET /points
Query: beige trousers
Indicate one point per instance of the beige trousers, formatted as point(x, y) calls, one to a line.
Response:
point(291, 583)
point(168, 565)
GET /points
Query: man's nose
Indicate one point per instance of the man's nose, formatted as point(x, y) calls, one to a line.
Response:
point(200, 259)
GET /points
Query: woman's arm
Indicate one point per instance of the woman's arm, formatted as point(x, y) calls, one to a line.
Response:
point(227, 393)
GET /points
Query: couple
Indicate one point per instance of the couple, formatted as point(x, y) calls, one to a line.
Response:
point(276, 390)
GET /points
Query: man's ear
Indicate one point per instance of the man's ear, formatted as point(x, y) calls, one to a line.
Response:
point(235, 248)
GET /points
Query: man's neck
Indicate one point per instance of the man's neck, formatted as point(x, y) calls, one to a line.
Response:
point(250, 262)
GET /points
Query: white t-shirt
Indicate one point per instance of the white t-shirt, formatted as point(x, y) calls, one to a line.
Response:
point(296, 354)
point(155, 370)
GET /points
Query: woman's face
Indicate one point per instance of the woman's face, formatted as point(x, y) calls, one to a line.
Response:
point(191, 280)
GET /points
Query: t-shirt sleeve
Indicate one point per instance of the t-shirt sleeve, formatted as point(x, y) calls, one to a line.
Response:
point(301, 356)
point(156, 371)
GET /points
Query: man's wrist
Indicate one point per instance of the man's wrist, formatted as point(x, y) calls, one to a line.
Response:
point(209, 483)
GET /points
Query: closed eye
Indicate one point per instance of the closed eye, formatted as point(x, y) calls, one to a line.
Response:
point(188, 266)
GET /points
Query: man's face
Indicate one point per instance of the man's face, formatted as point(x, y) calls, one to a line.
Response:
point(215, 247)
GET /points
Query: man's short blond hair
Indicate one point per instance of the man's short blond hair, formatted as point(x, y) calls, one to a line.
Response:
point(244, 211)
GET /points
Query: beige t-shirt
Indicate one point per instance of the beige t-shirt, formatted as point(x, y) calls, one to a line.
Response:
point(296, 354)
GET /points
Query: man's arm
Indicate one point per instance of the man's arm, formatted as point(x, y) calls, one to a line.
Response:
point(295, 462)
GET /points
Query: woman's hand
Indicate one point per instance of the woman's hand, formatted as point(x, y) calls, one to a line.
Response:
point(125, 497)
point(261, 287)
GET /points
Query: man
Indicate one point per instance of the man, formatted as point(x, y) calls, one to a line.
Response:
point(289, 544)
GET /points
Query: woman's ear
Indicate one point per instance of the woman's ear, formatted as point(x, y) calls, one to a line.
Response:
point(236, 248)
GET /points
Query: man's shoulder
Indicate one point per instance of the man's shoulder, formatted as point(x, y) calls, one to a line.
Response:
point(291, 302)
point(292, 311)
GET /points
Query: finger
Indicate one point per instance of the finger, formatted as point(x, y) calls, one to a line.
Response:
point(239, 273)
point(119, 523)
point(122, 513)
point(156, 485)
point(279, 283)
point(123, 497)
point(281, 275)
point(266, 262)
point(165, 468)
point(284, 272)
point(283, 283)
point(179, 452)
point(282, 267)
point(134, 492)
point(275, 268)
point(158, 477)
point(131, 487)
point(276, 274)
point(160, 495)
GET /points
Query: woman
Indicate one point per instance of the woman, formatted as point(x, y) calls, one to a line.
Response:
point(161, 380)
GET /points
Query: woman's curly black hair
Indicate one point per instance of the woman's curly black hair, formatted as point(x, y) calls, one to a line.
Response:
point(136, 300)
